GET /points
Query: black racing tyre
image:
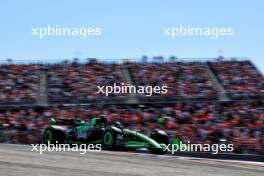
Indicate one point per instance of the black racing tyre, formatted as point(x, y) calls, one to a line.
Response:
point(53, 136)
point(157, 151)
point(160, 137)
point(108, 140)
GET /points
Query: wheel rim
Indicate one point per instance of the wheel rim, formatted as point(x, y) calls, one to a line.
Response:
point(108, 138)
point(48, 136)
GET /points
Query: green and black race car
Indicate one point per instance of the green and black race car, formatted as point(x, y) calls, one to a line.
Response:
point(111, 135)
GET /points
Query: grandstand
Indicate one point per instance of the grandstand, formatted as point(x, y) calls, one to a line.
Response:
point(207, 101)
point(74, 82)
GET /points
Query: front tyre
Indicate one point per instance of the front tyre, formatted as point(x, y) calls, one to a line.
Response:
point(157, 151)
point(160, 137)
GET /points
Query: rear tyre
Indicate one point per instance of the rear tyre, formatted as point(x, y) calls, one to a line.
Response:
point(53, 136)
point(108, 140)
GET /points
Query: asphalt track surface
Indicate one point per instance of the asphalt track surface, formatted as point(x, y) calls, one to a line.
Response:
point(19, 160)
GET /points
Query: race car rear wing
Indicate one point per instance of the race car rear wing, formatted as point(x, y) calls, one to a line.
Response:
point(72, 121)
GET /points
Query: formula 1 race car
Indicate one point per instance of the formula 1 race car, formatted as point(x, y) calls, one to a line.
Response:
point(111, 135)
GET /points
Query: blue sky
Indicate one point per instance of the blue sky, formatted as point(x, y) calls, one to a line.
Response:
point(131, 28)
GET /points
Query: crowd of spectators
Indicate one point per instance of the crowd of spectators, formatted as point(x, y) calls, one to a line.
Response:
point(195, 81)
point(188, 80)
point(75, 82)
point(241, 124)
point(78, 82)
point(185, 80)
point(155, 74)
point(18, 83)
point(240, 78)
